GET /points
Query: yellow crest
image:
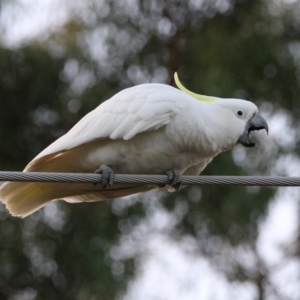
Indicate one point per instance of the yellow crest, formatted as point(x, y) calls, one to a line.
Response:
point(197, 96)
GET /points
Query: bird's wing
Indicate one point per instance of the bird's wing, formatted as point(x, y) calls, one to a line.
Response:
point(134, 110)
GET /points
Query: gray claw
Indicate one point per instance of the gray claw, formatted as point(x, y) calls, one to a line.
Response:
point(173, 179)
point(108, 176)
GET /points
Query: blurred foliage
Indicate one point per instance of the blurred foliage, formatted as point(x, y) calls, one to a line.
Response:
point(233, 49)
point(29, 82)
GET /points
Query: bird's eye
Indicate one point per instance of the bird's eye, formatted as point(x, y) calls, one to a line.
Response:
point(239, 113)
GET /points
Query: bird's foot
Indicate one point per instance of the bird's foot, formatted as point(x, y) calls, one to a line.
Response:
point(108, 176)
point(173, 179)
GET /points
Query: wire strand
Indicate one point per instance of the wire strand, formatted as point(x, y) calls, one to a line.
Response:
point(151, 179)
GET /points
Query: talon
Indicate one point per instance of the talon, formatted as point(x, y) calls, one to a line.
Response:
point(108, 176)
point(176, 186)
point(173, 179)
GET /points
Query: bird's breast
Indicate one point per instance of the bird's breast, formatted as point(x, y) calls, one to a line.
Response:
point(147, 153)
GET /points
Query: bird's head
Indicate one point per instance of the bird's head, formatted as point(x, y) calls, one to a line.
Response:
point(232, 119)
point(240, 117)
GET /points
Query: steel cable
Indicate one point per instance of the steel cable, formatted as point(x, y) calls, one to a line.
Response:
point(151, 179)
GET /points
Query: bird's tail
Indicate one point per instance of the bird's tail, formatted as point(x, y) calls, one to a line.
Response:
point(24, 198)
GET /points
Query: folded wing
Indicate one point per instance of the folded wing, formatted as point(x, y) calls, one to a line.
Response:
point(134, 110)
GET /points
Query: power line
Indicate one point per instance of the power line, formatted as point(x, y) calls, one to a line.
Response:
point(151, 179)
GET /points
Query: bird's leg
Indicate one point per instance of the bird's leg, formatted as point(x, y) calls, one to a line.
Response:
point(173, 179)
point(108, 176)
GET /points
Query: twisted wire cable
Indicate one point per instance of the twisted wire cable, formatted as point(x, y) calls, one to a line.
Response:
point(151, 179)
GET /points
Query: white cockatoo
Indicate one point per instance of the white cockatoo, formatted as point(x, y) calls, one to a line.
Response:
point(146, 129)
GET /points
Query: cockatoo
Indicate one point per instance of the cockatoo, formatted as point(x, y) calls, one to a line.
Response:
point(146, 129)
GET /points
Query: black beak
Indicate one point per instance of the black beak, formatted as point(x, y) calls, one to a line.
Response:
point(255, 123)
